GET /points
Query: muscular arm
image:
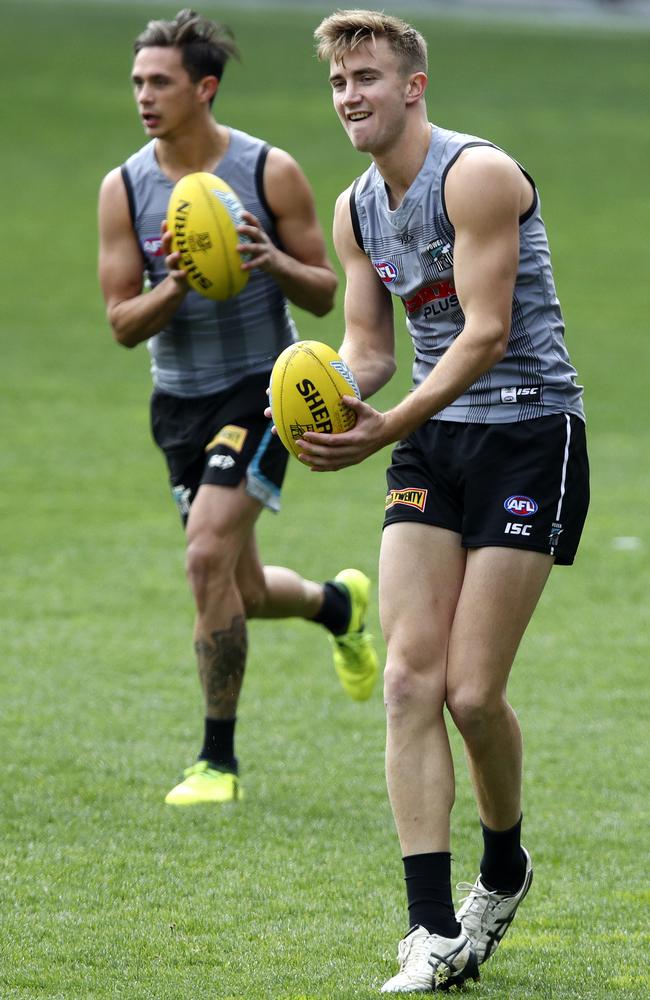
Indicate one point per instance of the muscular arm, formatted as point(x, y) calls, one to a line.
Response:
point(301, 268)
point(369, 342)
point(134, 315)
point(485, 195)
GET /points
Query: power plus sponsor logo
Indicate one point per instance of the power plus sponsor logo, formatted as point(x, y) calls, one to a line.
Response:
point(386, 270)
point(520, 506)
point(408, 498)
point(152, 246)
point(436, 298)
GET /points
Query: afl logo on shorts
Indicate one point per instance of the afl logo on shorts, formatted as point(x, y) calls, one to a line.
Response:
point(386, 271)
point(521, 506)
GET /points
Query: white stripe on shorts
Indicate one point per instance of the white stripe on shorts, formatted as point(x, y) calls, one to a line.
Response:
point(565, 463)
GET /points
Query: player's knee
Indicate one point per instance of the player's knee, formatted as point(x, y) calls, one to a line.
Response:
point(474, 710)
point(206, 563)
point(408, 689)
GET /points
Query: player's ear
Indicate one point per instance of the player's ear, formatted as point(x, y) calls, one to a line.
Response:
point(208, 87)
point(417, 84)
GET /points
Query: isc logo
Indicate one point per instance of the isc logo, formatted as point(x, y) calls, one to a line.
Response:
point(521, 506)
point(386, 271)
point(513, 528)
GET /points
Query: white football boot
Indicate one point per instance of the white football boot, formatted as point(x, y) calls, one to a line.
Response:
point(485, 916)
point(429, 963)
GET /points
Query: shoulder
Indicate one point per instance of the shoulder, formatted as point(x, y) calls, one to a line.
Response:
point(482, 163)
point(112, 186)
point(282, 165)
point(286, 187)
point(483, 178)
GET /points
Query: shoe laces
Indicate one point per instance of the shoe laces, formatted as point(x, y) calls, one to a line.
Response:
point(480, 901)
point(413, 949)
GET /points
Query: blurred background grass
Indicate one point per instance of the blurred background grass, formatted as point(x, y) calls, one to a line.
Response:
point(298, 892)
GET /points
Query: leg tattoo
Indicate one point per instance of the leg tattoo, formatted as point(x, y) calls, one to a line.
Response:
point(221, 662)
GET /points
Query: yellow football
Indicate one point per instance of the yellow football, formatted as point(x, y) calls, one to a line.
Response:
point(307, 383)
point(202, 214)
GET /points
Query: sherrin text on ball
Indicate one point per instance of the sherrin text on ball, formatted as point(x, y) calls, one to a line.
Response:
point(202, 214)
point(308, 382)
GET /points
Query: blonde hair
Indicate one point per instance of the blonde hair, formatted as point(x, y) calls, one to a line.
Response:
point(345, 30)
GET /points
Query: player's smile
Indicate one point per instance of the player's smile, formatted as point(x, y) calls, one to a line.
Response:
point(366, 89)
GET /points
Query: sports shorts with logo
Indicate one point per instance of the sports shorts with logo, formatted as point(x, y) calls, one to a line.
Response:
point(220, 439)
point(521, 485)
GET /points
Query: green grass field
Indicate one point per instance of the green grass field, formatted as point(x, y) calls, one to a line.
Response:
point(296, 893)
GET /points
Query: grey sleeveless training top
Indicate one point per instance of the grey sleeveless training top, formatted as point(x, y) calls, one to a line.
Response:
point(412, 251)
point(208, 346)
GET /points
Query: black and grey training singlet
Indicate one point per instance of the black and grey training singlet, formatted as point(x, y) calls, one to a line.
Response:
point(208, 346)
point(412, 251)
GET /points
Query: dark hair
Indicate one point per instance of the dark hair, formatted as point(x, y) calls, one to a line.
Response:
point(205, 45)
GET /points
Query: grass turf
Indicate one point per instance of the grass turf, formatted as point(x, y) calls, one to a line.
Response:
point(295, 894)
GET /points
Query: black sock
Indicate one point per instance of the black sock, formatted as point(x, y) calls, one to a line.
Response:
point(428, 890)
point(503, 865)
point(219, 744)
point(335, 609)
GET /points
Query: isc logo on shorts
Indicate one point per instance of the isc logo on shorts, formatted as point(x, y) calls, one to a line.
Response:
point(521, 506)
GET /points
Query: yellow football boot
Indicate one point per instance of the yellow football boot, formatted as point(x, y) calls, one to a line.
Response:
point(355, 658)
point(204, 783)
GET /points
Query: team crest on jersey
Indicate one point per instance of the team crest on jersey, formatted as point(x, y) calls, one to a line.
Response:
point(441, 253)
point(386, 270)
point(521, 506)
point(408, 498)
point(152, 246)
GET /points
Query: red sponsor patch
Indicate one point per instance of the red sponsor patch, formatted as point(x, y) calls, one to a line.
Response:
point(431, 293)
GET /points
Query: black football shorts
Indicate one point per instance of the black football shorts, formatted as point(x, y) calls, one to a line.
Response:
point(520, 485)
point(220, 439)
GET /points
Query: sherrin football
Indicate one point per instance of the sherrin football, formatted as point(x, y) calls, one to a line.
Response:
point(202, 214)
point(307, 383)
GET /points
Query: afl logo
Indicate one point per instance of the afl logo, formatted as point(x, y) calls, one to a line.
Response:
point(521, 506)
point(153, 246)
point(386, 271)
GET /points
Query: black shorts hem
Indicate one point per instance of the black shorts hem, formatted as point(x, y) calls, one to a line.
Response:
point(408, 519)
point(560, 558)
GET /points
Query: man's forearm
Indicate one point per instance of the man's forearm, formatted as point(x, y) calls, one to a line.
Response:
point(305, 285)
point(136, 319)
